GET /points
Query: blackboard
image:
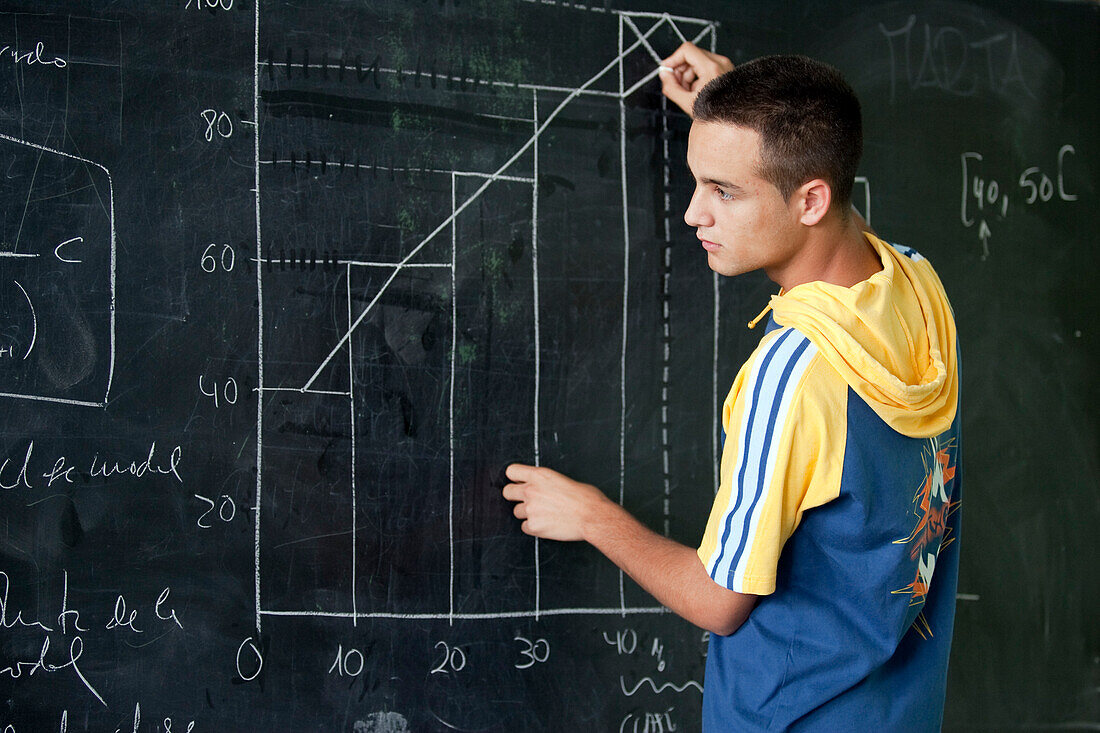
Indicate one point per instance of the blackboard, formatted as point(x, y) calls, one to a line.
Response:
point(284, 286)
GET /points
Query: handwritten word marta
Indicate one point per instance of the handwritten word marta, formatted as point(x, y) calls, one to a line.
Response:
point(958, 61)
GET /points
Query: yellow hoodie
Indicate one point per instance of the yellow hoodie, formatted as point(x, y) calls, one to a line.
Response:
point(891, 338)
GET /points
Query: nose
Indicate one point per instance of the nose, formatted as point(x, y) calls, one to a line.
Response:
point(696, 214)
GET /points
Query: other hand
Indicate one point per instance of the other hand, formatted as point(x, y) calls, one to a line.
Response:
point(692, 68)
point(552, 505)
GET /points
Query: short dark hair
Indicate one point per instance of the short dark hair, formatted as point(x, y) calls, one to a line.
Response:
point(807, 116)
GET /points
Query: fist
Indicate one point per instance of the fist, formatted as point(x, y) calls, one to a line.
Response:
point(552, 505)
point(692, 68)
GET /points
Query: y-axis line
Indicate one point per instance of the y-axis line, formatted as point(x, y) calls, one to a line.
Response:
point(259, 304)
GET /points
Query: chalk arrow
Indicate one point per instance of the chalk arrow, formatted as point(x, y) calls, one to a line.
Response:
point(984, 234)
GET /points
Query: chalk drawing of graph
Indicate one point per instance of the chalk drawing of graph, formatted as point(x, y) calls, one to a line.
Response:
point(418, 325)
point(57, 276)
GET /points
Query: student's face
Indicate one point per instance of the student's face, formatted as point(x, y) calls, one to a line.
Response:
point(742, 220)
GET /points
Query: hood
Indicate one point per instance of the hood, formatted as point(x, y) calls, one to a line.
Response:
point(891, 337)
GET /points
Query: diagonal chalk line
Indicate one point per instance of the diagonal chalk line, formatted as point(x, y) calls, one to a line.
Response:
point(654, 73)
point(675, 28)
point(477, 194)
point(638, 33)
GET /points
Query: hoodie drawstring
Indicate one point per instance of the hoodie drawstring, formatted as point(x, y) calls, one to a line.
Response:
point(768, 307)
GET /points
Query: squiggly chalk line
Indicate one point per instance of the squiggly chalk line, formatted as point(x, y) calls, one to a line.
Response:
point(653, 685)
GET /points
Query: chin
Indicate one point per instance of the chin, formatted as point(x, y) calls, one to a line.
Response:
point(726, 269)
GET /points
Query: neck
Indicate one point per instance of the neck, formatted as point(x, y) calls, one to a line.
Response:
point(835, 252)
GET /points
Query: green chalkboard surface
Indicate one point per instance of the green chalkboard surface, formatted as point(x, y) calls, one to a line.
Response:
point(285, 285)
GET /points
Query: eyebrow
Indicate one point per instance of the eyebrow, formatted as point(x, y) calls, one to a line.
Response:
point(722, 184)
point(716, 182)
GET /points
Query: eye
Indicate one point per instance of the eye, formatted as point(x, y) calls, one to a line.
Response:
point(723, 195)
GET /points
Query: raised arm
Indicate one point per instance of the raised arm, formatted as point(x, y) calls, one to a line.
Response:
point(691, 68)
point(556, 507)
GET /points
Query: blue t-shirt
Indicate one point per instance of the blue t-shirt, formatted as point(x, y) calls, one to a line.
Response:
point(856, 633)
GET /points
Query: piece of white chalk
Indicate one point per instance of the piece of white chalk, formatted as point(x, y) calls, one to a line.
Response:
point(665, 68)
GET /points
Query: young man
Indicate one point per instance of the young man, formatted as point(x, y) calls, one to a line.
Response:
point(839, 475)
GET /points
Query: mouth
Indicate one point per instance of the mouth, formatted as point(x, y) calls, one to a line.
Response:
point(709, 246)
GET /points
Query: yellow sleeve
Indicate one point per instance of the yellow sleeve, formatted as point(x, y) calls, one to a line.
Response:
point(785, 422)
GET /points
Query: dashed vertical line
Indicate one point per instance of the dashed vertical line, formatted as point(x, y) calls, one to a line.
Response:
point(351, 405)
point(666, 321)
point(535, 294)
point(535, 267)
point(626, 281)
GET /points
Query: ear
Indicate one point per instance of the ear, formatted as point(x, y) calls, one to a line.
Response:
point(813, 199)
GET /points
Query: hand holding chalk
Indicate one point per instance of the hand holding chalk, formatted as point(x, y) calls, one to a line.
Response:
point(687, 70)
